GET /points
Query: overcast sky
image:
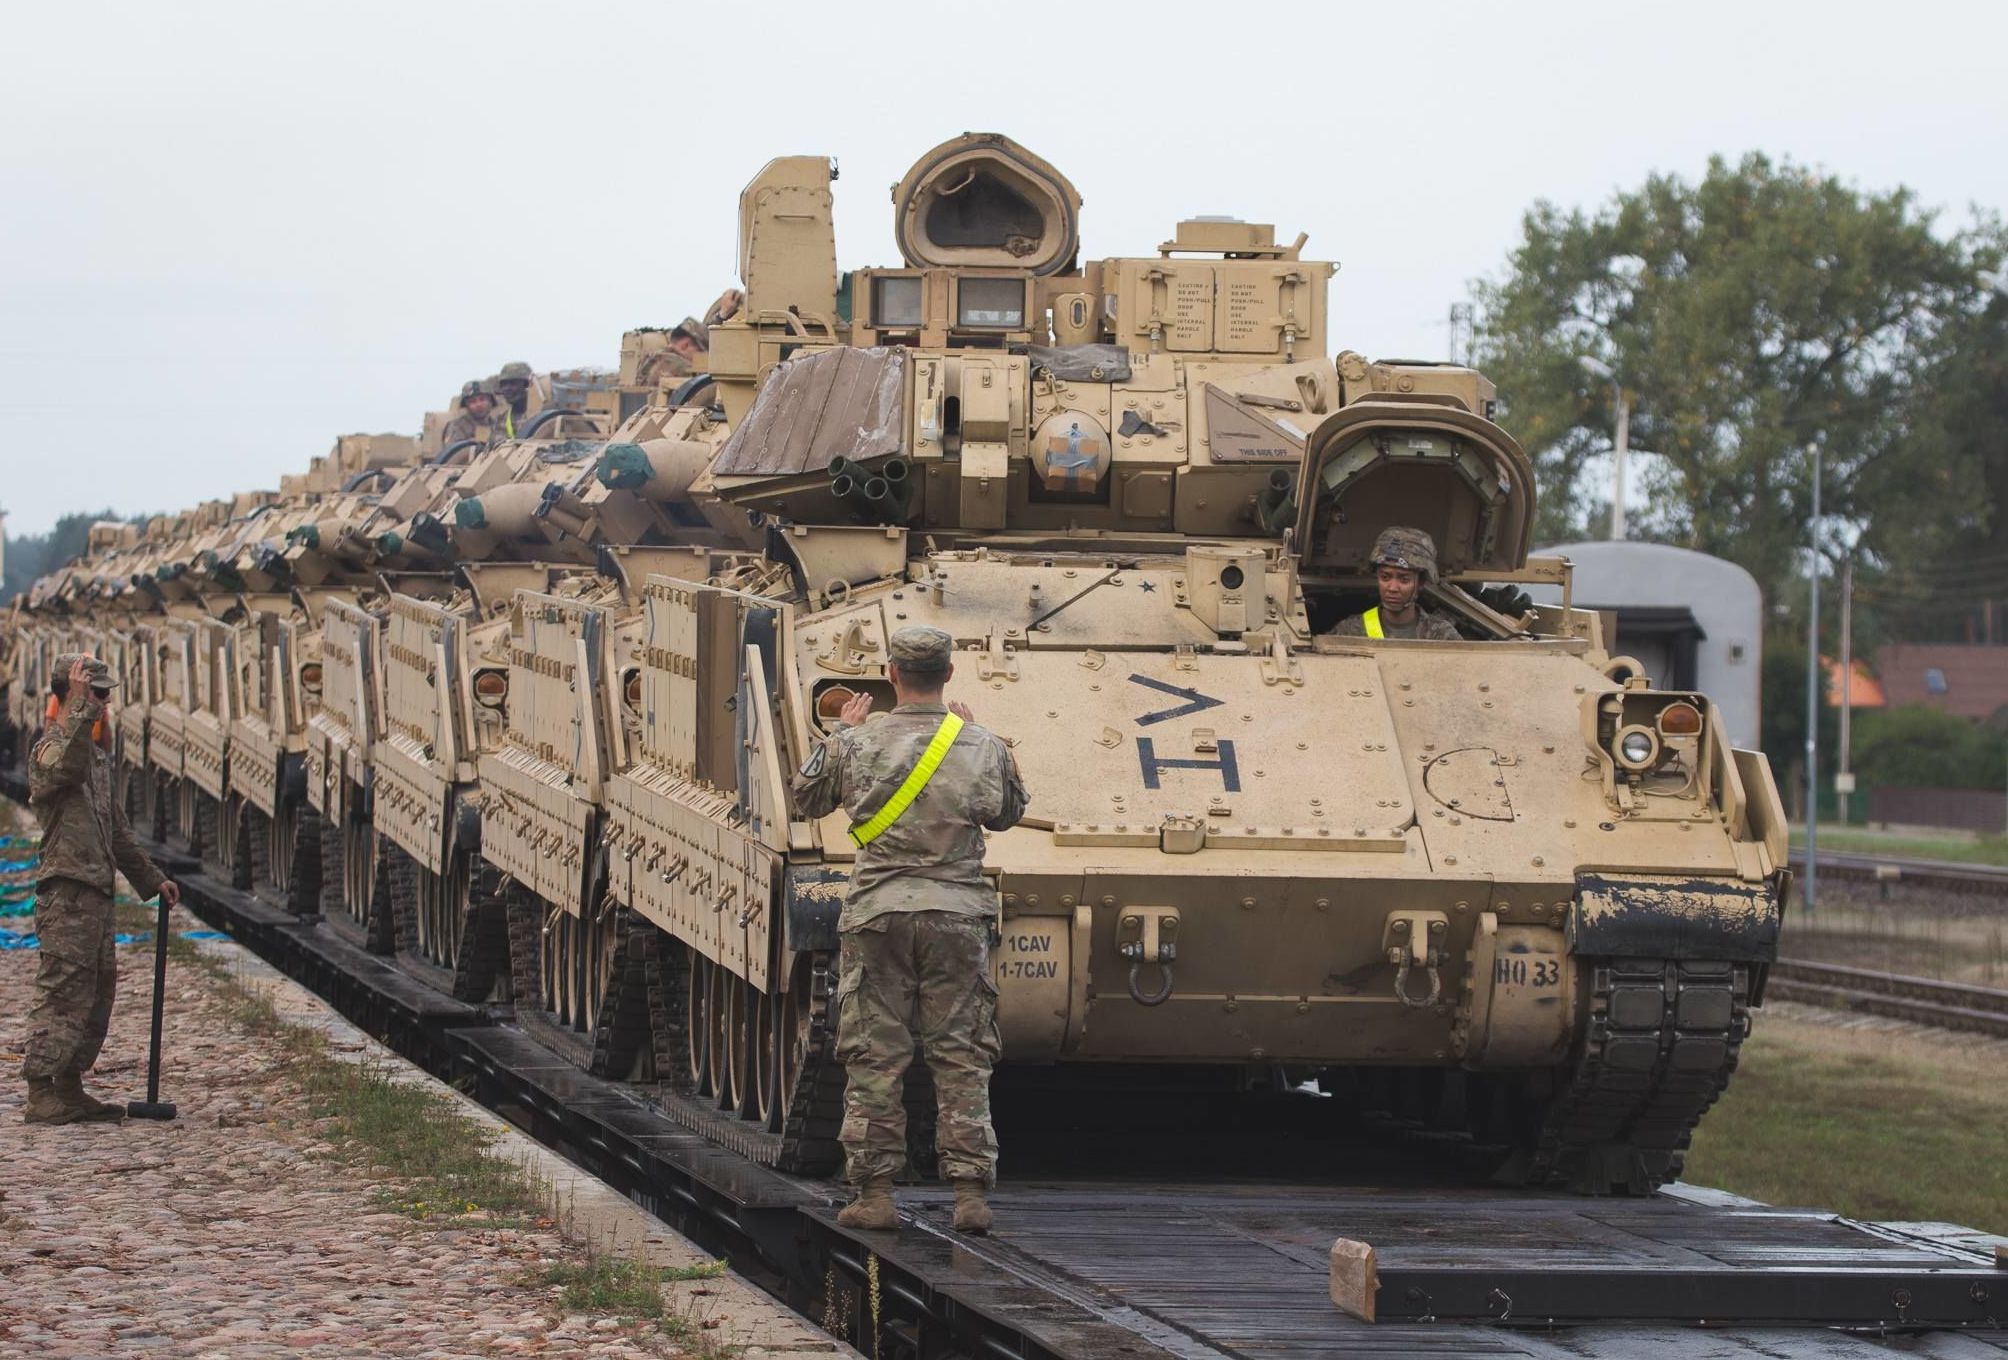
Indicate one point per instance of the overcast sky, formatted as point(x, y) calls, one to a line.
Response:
point(229, 232)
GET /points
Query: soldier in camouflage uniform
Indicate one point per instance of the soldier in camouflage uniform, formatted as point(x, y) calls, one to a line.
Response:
point(512, 385)
point(477, 419)
point(85, 844)
point(1404, 560)
point(916, 928)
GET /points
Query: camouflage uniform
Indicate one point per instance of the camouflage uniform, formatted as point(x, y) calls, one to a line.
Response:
point(1416, 551)
point(464, 426)
point(86, 843)
point(916, 928)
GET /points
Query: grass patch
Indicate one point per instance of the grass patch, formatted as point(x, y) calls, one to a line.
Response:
point(1871, 1125)
point(1860, 841)
point(629, 1287)
point(437, 1157)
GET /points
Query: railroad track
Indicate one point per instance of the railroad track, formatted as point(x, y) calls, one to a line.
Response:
point(1944, 874)
point(1925, 1001)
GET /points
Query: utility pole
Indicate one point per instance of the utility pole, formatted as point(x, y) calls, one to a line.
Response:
point(1620, 446)
point(1844, 777)
point(1812, 893)
point(1461, 338)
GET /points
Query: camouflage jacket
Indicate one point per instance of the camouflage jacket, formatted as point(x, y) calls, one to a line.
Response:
point(85, 837)
point(1427, 626)
point(463, 426)
point(931, 859)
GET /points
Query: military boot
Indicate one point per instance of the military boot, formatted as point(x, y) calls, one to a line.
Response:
point(49, 1102)
point(972, 1213)
point(70, 1085)
point(873, 1208)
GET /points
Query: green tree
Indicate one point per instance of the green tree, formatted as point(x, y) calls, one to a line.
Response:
point(1751, 317)
point(32, 556)
point(1924, 748)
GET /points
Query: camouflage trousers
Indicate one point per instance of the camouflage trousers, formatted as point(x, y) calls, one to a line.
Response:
point(75, 981)
point(919, 975)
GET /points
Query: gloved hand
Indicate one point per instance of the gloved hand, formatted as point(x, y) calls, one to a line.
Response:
point(1508, 600)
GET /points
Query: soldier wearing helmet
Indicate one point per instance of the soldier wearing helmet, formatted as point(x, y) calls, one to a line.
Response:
point(86, 844)
point(478, 419)
point(513, 386)
point(1404, 560)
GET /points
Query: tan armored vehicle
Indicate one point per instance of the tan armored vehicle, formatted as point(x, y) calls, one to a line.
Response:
point(1500, 886)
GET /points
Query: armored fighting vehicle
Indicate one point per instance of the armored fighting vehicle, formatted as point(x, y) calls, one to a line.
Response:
point(1501, 885)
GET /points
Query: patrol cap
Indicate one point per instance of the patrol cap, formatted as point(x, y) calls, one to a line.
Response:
point(920, 649)
point(100, 674)
point(514, 372)
point(1408, 548)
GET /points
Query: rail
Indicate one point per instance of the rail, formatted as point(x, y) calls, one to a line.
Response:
point(1945, 874)
point(1924, 1001)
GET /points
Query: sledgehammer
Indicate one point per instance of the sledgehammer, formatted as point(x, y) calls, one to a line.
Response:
point(153, 1107)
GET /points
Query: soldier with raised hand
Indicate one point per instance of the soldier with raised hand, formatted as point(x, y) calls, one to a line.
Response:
point(86, 843)
point(922, 784)
point(1404, 561)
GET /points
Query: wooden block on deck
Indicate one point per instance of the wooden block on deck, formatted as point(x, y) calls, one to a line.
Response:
point(1355, 1281)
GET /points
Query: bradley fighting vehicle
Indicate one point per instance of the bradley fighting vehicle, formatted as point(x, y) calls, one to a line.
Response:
point(1501, 885)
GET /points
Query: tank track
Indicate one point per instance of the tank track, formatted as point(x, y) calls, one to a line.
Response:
point(1662, 1040)
point(303, 894)
point(257, 847)
point(483, 955)
point(809, 1144)
point(623, 1029)
point(665, 980)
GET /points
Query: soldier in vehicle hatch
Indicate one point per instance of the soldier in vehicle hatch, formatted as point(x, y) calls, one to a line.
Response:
point(922, 784)
point(477, 419)
point(85, 845)
point(513, 385)
point(1404, 560)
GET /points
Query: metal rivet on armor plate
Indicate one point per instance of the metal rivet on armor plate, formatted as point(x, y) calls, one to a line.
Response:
point(1247, 717)
point(1485, 704)
point(1484, 689)
point(1429, 746)
point(1108, 901)
point(1122, 826)
point(1094, 826)
point(1323, 904)
point(1538, 862)
point(1461, 908)
point(1066, 899)
point(1247, 904)
point(1231, 1005)
point(1607, 826)
point(997, 684)
point(1052, 713)
point(1303, 1008)
point(1359, 831)
point(1579, 689)
point(1569, 824)
point(1305, 746)
point(1031, 899)
point(1011, 899)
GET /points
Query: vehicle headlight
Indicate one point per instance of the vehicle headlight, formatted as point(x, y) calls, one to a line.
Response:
point(491, 688)
point(1637, 747)
point(310, 677)
point(1680, 720)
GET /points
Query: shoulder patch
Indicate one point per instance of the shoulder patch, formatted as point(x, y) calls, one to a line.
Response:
point(813, 766)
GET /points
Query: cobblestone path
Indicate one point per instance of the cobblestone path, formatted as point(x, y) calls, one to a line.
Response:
point(227, 1232)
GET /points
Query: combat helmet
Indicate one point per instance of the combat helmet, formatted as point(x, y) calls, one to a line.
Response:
point(1411, 549)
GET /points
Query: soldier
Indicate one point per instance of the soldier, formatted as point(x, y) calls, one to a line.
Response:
point(691, 340)
point(1404, 560)
point(85, 842)
point(922, 784)
point(477, 419)
point(514, 385)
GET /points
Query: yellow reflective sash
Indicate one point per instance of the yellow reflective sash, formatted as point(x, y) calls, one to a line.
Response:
point(1372, 620)
point(902, 798)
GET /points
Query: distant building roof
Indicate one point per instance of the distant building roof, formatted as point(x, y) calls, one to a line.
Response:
point(1970, 681)
point(1864, 690)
